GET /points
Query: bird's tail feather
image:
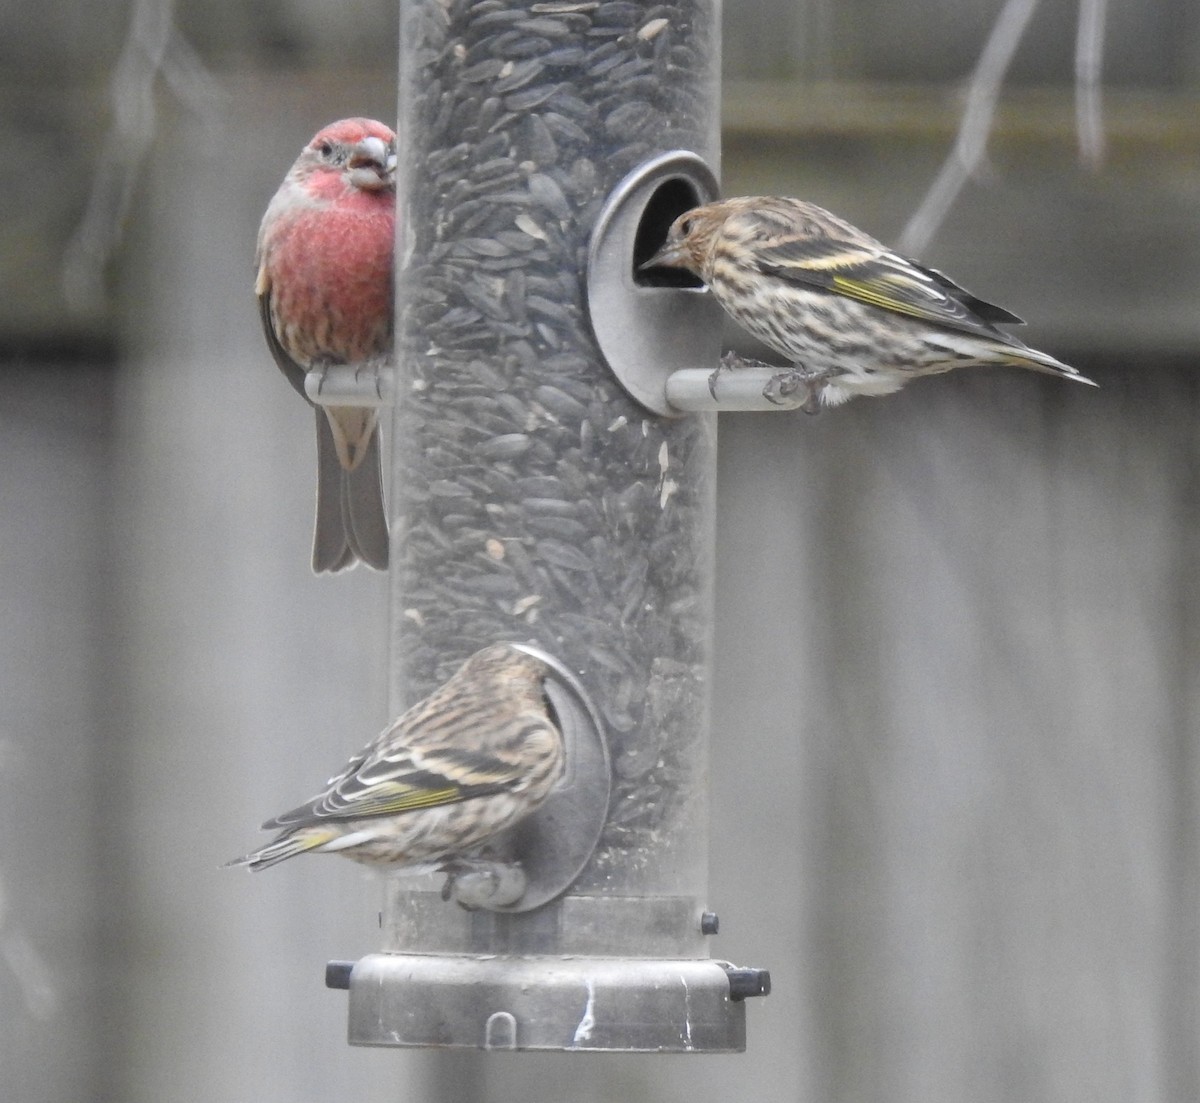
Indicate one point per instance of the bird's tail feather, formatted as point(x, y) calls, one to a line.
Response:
point(351, 525)
point(282, 848)
point(1025, 357)
point(363, 507)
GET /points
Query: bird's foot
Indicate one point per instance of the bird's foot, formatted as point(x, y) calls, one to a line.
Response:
point(370, 370)
point(781, 389)
point(731, 361)
point(321, 367)
point(483, 883)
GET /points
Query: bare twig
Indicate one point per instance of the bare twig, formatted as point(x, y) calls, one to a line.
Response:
point(25, 964)
point(152, 47)
point(1089, 58)
point(33, 974)
point(971, 143)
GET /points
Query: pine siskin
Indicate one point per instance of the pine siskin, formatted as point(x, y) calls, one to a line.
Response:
point(851, 316)
point(324, 288)
point(472, 759)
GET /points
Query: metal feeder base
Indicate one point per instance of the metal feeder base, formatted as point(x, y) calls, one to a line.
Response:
point(558, 1003)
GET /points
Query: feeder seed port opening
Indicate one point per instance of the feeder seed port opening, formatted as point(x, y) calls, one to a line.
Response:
point(652, 324)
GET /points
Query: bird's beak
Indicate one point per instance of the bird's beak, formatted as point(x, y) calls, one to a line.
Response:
point(669, 256)
point(372, 165)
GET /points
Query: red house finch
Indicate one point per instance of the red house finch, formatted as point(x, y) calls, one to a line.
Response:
point(473, 758)
point(851, 316)
point(324, 288)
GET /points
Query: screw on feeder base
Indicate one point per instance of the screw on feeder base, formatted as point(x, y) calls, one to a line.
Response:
point(745, 983)
point(337, 974)
point(710, 923)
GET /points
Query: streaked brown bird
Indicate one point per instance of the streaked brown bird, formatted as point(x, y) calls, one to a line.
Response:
point(473, 758)
point(850, 315)
point(324, 288)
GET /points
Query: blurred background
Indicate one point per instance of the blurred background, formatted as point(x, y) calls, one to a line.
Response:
point(954, 774)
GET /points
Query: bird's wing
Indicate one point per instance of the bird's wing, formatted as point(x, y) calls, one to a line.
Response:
point(989, 312)
point(291, 370)
point(407, 779)
point(869, 273)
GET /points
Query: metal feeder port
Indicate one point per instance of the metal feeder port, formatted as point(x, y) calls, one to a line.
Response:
point(650, 325)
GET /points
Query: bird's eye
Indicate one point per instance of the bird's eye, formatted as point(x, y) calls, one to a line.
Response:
point(685, 226)
point(325, 149)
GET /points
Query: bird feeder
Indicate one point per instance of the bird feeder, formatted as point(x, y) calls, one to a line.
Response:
point(536, 497)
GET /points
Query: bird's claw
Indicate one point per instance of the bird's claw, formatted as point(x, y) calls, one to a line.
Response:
point(372, 369)
point(730, 361)
point(481, 883)
point(781, 387)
